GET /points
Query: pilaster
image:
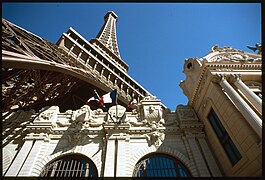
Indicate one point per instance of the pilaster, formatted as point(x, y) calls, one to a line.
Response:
point(19, 160)
point(123, 157)
point(110, 157)
point(30, 161)
point(197, 156)
point(209, 158)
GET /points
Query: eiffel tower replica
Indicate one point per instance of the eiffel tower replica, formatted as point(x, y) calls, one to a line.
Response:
point(37, 73)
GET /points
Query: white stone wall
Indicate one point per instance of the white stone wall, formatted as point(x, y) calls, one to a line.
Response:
point(114, 148)
point(8, 154)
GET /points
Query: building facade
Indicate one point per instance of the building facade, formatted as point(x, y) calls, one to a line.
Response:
point(225, 90)
point(217, 134)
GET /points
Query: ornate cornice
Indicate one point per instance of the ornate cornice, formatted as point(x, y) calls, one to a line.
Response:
point(229, 54)
point(225, 66)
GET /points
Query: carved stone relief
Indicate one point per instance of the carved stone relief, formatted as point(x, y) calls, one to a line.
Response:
point(81, 118)
point(155, 138)
point(229, 54)
point(152, 113)
point(48, 114)
point(187, 115)
point(117, 114)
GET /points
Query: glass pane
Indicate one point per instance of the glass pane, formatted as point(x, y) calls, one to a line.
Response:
point(174, 173)
point(161, 166)
point(149, 173)
point(234, 148)
point(164, 162)
point(170, 174)
point(171, 163)
point(230, 153)
point(221, 127)
point(216, 127)
point(155, 173)
point(228, 145)
point(153, 162)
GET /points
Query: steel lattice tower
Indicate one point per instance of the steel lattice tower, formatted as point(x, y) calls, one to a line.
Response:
point(37, 73)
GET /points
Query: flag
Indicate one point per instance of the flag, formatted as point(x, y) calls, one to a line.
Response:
point(93, 98)
point(132, 103)
point(110, 97)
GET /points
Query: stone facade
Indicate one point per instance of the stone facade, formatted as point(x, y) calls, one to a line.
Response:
point(97, 135)
point(221, 81)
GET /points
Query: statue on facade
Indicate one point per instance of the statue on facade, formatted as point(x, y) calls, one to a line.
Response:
point(257, 47)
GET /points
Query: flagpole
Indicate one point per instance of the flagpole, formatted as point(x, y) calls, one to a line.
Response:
point(103, 105)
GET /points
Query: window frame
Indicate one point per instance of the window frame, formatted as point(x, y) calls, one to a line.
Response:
point(225, 140)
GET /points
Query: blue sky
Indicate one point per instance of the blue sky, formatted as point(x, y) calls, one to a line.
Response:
point(153, 38)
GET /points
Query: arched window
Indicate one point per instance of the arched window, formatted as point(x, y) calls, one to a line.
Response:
point(160, 165)
point(70, 166)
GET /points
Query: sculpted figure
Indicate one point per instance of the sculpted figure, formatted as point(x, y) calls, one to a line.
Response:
point(134, 122)
point(155, 138)
point(83, 113)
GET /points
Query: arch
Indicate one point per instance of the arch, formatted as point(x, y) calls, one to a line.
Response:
point(72, 165)
point(38, 168)
point(160, 165)
point(163, 150)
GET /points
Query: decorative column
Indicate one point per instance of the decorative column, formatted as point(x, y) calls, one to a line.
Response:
point(71, 49)
point(95, 66)
point(252, 97)
point(20, 158)
point(252, 118)
point(109, 76)
point(80, 54)
point(122, 84)
point(102, 71)
point(87, 61)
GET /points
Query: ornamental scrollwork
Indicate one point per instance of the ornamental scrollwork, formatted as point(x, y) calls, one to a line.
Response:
point(228, 54)
point(82, 118)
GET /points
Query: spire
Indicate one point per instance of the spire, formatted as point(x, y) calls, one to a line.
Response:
point(107, 34)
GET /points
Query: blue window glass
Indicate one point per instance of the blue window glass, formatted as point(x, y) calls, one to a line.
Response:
point(224, 138)
point(217, 129)
point(160, 165)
